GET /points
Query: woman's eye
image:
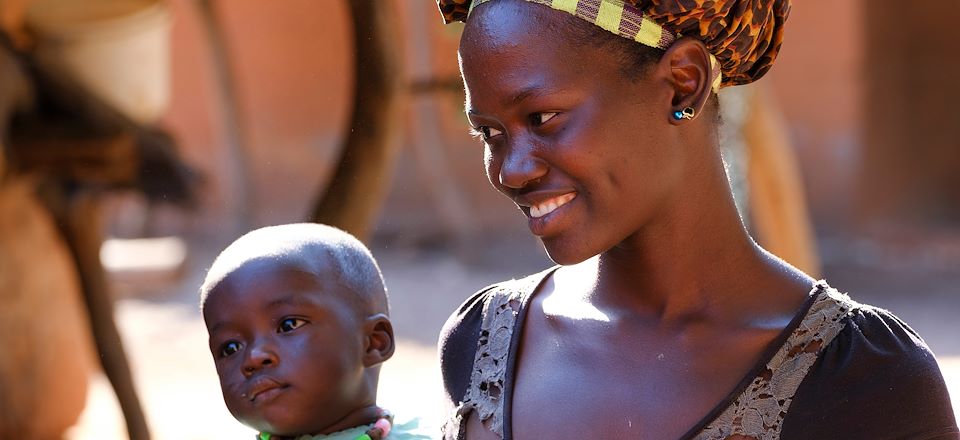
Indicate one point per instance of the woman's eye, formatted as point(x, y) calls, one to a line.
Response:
point(486, 132)
point(290, 324)
point(542, 118)
point(229, 348)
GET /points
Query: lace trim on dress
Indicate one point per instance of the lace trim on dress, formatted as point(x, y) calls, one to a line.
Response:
point(485, 393)
point(758, 412)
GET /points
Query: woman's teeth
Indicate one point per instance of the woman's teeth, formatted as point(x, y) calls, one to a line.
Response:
point(542, 209)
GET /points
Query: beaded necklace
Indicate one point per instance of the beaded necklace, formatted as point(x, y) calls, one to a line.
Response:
point(379, 430)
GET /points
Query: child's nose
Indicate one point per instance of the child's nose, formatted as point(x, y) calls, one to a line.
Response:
point(259, 356)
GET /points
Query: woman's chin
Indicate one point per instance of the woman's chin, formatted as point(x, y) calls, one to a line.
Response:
point(566, 255)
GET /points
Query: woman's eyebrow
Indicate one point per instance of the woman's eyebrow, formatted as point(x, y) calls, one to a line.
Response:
point(525, 93)
point(531, 91)
point(543, 88)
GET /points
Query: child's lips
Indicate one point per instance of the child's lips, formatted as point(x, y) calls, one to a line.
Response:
point(264, 388)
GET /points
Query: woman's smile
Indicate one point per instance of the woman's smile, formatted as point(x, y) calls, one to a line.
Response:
point(548, 206)
point(544, 210)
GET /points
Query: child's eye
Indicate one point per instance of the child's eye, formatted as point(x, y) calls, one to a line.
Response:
point(229, 348)
point(541, 118)
point(290, 324)
point(485, 132)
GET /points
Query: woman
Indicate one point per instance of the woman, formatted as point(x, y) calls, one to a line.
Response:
point(665, 320)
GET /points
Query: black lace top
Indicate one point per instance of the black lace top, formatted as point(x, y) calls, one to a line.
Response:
point(872, 377)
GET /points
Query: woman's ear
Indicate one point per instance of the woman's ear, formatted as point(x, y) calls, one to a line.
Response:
point(691, 75)
point(379, 344)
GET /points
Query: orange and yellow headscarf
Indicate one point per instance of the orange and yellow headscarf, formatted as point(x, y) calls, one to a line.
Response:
point(744, 36)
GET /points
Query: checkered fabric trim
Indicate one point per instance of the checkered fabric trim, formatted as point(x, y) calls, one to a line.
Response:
point(613, 15)
point(621, 19)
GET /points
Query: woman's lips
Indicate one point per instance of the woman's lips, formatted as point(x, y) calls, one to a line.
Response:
point(546, 207)
point(542, 216)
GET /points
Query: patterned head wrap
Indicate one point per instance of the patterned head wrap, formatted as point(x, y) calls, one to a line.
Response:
point(744, 36)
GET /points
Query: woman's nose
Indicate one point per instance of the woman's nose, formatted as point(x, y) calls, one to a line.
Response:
point(521, 166)
point(259, 356)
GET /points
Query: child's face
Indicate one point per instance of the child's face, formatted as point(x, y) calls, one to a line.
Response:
point(288, 348)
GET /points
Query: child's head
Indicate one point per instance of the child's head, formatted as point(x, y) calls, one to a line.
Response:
point(298, 322)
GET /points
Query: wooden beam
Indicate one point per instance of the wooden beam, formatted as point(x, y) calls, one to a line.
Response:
point(353, 197)
point(79, 215)
point(237, 142)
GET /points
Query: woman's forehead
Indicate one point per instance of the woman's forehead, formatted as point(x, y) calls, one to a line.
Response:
point(532, 37)
point(505, 24)
point(502, 51)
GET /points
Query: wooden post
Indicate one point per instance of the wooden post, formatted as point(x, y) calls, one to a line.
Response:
point(80, 223)
point(353, 197)
point(235, 137)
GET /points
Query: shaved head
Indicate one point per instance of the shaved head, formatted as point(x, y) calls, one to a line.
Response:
point(323, 251)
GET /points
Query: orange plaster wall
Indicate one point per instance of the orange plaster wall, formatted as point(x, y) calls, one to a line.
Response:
point(818, 84)
point(291, 67)
point(293, 70)
point(293, 74)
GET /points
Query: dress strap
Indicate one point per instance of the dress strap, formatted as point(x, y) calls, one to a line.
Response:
point(486, 391)
point(758, 413)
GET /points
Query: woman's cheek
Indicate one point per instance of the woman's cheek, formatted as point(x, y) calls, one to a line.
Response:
point(490, 166)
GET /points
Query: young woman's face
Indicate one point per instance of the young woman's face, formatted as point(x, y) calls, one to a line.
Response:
point(586, 153)
point(288, 348)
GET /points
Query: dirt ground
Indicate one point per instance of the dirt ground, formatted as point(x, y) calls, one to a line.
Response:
point(166, 340)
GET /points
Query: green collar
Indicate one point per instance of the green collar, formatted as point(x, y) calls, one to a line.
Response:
point(373, 431)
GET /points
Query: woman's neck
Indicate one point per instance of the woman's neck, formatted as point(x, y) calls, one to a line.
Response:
point(688, 262)
point(664, 274)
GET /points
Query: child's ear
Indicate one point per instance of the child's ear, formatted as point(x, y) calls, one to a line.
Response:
point(379, 344)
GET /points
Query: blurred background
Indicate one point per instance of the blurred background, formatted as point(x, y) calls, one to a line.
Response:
point(140, 137)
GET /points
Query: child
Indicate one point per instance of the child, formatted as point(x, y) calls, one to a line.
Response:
point(299, 324)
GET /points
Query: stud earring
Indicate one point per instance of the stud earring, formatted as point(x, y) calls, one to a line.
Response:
point(687, 113)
